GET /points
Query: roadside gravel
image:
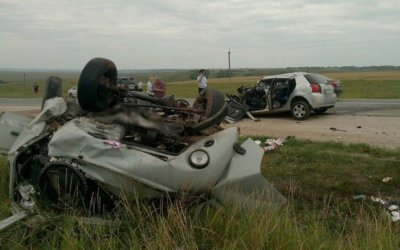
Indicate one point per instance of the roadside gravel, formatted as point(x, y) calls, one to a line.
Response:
point(376, 131)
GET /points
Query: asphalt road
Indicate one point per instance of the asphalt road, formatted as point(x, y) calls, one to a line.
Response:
point(367, 107)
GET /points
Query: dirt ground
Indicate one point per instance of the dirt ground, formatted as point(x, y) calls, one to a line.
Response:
point(375, 131)
point(372, 130)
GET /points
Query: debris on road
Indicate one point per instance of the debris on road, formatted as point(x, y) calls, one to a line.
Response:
point(335, 129)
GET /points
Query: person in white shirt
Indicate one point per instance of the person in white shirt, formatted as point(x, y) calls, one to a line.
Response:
point(150, 86)
point(202, 80)
point(140, 86)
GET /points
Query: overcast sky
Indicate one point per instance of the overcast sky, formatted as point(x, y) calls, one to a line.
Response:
point(146, 34)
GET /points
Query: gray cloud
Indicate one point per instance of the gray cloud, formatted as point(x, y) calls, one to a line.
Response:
point(193, 34)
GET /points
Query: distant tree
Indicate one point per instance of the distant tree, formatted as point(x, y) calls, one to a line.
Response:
point(223, 73)
point(194, 74)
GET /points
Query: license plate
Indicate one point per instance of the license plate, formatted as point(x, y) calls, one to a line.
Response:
point(328, 91)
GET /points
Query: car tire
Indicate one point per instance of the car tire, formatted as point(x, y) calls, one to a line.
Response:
point(52, 89)
point(320, 110)
point(95, 81)
point(209, 100)
point(212, 120)
point(63, 185)
point(300, 110)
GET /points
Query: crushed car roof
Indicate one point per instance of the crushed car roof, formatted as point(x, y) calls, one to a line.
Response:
point(286, 75)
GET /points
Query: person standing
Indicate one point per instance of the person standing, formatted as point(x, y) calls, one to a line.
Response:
point(202, 80)
point(35, 88)
point(150, 86)
point(140, 86)
point(159, 87)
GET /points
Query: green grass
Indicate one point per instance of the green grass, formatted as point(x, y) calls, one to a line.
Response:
point(4, 180)
point(319, 179)
point(13, 90)
point(356, 85)
point(352, 88)
point(371, 89)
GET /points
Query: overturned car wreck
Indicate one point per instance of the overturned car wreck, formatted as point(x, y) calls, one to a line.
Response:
point(115, 142)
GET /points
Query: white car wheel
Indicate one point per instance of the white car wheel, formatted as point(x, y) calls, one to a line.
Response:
point(300, 110)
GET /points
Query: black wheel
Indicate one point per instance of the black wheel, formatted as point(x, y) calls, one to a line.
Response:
point(95, 81)
point(52, 89)
point(209, 100)
point(320, 110)
point(62, 185)
point(212, 120)
point(300, 110)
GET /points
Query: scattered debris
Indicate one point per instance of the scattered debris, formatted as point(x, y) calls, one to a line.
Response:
point(237, 110)
point(258, 142)
point(379, 200)
point(359, 197)
point(12, 219)
point(278, 142)
point(387, 179)
point(392, 210)
point(273, 144)
point(270, 148)
point(335, 129)
point(395, 215)
point(26, 192)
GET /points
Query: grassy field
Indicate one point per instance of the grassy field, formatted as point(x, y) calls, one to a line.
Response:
point(356, 85)
point(319, 180)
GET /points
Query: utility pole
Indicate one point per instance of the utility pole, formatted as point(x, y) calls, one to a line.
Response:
point(229, 62)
